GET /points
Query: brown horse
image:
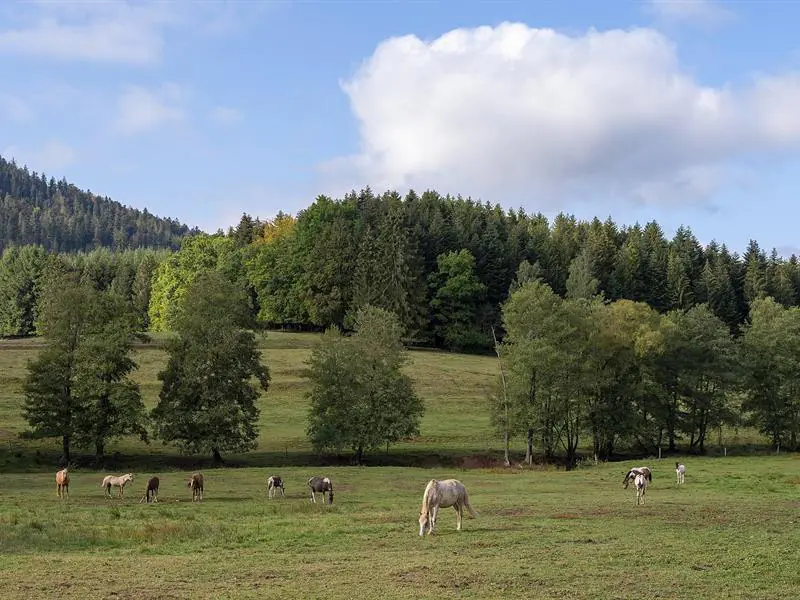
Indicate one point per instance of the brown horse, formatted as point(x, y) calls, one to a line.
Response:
point(62, 483)
point(151, 493)
point(196, 483)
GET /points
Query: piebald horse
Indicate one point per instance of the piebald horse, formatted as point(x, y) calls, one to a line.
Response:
point(449, 492)
point(645, 471)
point(680, 472)
point(640, 481)
point(62, 483)
point(196, 483)
point(151, 492)
point(275, 482)
point(120, 482)
point(321, 485)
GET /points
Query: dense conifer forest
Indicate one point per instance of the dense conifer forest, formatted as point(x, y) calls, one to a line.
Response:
point(56, 215)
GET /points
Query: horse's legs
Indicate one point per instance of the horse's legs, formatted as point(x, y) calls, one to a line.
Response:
point(283, 494)
point(313, 499)
point(459, 515)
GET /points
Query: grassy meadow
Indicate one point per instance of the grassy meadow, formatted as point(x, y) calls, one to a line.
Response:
point(732, 531)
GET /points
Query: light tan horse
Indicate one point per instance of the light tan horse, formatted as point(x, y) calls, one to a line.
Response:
point(196, 483)
point(62, 483)
point(449, 492)
point(118, 481)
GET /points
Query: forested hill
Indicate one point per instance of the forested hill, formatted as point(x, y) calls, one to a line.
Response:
point(63, 218)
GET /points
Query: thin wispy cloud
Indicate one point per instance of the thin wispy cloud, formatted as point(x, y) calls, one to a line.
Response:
point(226, 115)
point(141, 110)
point(51, 157)
point(707, 12)
point(14, 108)
point(101, 32)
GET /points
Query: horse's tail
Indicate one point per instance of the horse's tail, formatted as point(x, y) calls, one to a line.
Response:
point(468, 506)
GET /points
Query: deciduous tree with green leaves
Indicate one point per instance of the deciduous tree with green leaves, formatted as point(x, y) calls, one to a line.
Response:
point(78, 388)
point(360, 398)
point(207, 400)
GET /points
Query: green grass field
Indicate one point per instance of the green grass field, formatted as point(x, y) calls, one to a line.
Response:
point(732, 531)
point(454, 387)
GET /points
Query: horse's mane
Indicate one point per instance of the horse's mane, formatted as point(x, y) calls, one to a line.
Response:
point(429, 495)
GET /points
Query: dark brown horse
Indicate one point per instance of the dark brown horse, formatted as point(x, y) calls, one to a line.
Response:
point(151, 493)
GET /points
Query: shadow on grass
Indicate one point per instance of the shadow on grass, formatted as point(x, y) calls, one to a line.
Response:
point(20, 459)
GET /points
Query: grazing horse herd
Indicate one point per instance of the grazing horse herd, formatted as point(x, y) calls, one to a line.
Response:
point(438, 493)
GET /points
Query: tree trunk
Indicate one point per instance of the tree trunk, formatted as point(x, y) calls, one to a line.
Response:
point(99, 451)
point(359, 454)
point(529, 450)
point(65, 448)
point(217, 455)
point(609, 448)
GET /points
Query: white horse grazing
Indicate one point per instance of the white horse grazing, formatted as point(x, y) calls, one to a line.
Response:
point(680, 471)
point(275, 482)
point(637, 471)
point(449, 492)
point(120, 482)
point(640, 481)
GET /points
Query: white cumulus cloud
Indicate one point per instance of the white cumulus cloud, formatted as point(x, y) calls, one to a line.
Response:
point(140, 110)
point(514, 113)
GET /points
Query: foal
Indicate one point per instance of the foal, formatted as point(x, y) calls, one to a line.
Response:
point(196, 483)
point(680, 471)
point(62, 483)
point(641, 488)
point(321, 485)
point(151, 493)
point(274, 483)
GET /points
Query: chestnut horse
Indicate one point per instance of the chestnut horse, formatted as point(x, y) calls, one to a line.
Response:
point(196, 483)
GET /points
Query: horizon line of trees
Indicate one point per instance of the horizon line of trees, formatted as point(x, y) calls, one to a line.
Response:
point(444, 265)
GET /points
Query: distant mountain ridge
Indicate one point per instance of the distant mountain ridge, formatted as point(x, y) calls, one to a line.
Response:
point(35, 209)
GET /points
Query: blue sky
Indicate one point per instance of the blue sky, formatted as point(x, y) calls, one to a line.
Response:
point(687, 112)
